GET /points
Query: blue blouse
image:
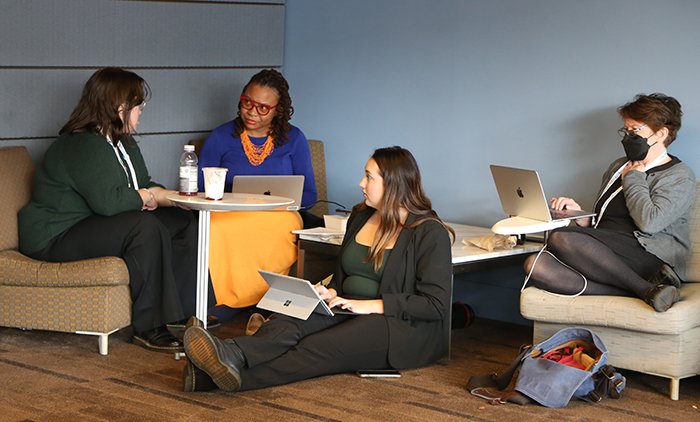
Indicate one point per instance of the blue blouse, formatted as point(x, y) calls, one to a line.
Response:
point(293, 158)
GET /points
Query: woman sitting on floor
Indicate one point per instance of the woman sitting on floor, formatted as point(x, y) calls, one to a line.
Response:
point(394, 272)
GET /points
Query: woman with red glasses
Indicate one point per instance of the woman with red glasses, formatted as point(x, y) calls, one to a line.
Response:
point(260, 141)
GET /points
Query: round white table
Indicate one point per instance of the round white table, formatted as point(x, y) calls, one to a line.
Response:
point(521, 225)
point(230, 202)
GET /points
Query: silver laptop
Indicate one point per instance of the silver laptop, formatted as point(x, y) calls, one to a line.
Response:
point(293, 296)
point(286, 186)
point(522, 195)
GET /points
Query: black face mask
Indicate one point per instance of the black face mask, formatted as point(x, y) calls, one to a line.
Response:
point(636, 147)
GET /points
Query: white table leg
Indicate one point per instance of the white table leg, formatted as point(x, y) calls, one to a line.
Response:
point(203, 266)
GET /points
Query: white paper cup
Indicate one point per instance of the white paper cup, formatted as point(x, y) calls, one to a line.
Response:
point(214, 181)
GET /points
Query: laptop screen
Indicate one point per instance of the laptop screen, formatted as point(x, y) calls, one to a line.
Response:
point(286, 186)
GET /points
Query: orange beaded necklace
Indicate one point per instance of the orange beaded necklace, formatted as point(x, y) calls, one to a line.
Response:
point(256, 153)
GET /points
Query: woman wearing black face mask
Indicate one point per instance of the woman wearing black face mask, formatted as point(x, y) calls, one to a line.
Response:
point(639, 242)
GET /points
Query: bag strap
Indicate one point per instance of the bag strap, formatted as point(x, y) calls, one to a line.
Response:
point(478, 383)
point(604, 385)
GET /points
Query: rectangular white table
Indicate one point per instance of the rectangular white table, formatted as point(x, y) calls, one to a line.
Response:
point(465, 258)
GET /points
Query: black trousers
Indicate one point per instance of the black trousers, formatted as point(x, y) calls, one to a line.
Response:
point(160, 251)
point(286, 349)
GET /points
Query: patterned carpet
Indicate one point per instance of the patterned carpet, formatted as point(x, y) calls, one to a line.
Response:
point(46, 376)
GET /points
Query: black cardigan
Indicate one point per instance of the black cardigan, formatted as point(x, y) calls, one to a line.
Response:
point(416, 288)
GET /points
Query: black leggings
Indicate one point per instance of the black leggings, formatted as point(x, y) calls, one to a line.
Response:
point(572, 254)
point(160, 251)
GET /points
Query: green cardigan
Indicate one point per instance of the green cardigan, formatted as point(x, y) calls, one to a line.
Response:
point(80, 176)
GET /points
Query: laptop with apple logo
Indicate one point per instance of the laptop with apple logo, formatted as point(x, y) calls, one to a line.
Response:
point(521, 194)
point(288, 186)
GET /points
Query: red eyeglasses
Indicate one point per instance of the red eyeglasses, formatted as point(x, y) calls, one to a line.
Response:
point(262, 109)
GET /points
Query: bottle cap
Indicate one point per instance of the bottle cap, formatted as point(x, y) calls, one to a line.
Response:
point(189, 147)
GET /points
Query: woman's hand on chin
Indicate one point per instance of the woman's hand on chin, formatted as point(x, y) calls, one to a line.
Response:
point(633, 165)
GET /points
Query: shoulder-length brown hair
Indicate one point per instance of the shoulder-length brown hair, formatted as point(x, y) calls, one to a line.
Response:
point(98, 109)
point(402, 189)
point(280, 127)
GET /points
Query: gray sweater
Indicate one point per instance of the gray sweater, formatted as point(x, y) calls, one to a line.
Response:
point(659, 202)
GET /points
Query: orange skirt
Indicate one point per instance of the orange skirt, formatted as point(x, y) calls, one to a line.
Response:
point(241, 243)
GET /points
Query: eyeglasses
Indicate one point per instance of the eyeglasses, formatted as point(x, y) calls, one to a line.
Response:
point(262, 109)
point(631, 132)
point(142, 106)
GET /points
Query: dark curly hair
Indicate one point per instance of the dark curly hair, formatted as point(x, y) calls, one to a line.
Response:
point(280, 127)
point(657, 110)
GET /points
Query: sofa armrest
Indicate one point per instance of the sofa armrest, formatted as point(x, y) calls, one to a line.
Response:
point(19, 270)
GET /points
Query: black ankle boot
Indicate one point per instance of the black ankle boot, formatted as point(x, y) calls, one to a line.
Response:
point(661, 297)
point(223, 361)
point(666, 275)
point(194, 379)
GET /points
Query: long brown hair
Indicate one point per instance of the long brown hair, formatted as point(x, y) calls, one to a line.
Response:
point(402, 189)
point(280, 126)
point(98, 109)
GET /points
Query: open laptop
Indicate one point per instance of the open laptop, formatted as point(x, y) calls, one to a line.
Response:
point(294, 297)
point(286, 186)
point(522, 195)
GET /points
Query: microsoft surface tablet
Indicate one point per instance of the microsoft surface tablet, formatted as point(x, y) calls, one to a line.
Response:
point(293, 296)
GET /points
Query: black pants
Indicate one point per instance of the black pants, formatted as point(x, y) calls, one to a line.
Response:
point(160, 251)
point(287, 349)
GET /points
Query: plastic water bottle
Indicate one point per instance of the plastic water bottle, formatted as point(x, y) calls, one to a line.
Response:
point(188, 172)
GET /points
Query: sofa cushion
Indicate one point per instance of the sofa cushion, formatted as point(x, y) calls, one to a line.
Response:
point(19, 270)
point(613, 311)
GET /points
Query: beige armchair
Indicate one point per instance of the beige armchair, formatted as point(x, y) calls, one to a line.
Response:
point(83, 297)
point(666, 344)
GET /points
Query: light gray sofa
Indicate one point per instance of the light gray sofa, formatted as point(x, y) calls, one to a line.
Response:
point(666, 344)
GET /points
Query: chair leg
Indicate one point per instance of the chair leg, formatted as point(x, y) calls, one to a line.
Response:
point(675, 388)
point(102, 339)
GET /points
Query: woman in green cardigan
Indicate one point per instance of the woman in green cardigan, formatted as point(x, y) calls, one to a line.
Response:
point(93, 197)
